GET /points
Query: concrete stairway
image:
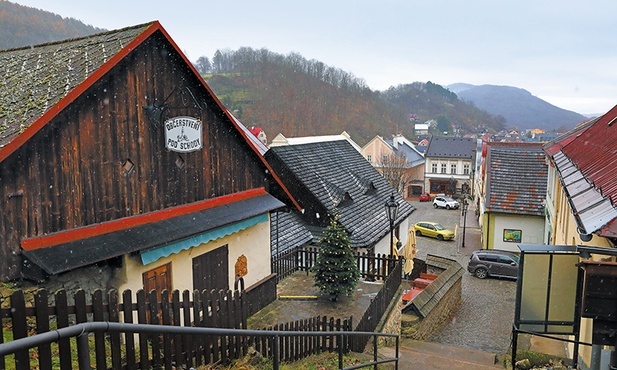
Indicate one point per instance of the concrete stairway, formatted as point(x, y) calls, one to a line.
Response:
point(437, 356)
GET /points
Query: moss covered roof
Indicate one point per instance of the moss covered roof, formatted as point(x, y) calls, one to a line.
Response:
point(34, 79)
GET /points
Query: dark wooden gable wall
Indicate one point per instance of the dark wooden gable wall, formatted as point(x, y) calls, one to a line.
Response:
point(73, 172)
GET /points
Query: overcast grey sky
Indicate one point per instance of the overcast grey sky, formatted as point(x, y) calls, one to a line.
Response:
point(564, 52)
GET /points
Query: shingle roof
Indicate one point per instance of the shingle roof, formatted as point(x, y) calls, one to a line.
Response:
point(586, 159)
point(287, 231)
point(339, 178)
point(413, 156)
point(430, 297)
point(34, 79)
point(450, 147)
point(516, 179)
point(562, 140)
point(145, 235)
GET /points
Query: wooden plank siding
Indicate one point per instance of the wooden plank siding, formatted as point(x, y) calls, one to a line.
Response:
point(70, 174)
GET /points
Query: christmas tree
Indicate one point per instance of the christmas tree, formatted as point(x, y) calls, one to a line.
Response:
point(336, 271)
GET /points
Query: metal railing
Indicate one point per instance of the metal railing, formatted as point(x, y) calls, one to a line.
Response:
point(81, 332)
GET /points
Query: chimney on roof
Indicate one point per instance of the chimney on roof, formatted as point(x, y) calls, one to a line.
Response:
point(395, 141)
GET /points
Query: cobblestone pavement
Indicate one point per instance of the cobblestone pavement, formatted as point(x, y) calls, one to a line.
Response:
point(484, 319)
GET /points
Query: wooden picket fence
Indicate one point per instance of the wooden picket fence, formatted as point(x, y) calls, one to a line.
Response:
point(374, 267)
point(294, 348)
point(54, 311)
point(202, 309)
point(143, 351)
point(378, 307)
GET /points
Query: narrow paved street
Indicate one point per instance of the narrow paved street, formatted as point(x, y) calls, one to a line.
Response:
point(484, 319)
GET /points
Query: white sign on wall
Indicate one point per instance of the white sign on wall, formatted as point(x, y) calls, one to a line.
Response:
point(183, 134)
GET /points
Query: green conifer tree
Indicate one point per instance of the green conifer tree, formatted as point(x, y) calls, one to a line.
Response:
point(336, 271)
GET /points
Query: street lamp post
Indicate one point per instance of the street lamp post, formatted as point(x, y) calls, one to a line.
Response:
point(465, 204)
point(391, 210)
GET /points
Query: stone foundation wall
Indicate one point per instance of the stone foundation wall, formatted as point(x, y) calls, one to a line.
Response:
point(391, 324)
point(88, 279)
point(421, 329)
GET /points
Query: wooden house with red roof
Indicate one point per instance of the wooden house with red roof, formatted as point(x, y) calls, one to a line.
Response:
point(115, 152)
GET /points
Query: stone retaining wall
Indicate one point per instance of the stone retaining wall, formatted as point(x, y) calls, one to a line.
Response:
point(421, 329)
point(429, 311)
point(391, 323)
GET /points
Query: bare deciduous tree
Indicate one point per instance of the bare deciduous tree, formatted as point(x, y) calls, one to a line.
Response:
point(203, 65)
point(394, 169)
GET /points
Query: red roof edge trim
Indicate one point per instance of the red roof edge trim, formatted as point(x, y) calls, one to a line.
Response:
point(132, 221)
point(554, 146)
point(235, 122)
point(227, 114)
point(76, 92)
point(278, 180)
point(609, 117)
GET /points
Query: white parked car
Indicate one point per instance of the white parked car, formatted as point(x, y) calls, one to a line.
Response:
point(445, 202)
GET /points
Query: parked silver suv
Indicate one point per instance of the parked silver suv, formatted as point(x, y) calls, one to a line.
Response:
point(445, 202)
point(492, 262)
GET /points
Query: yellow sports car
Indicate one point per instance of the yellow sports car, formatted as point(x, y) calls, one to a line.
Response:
point(434, 230)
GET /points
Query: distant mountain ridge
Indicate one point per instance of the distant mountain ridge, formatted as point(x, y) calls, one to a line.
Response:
point(518, 106)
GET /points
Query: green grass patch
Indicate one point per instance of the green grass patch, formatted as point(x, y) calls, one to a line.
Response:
point(536, 360)
point(322, 361)
point(7, 336)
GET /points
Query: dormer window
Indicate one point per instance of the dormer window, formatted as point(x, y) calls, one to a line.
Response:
point(370, 188)
point(346, 198)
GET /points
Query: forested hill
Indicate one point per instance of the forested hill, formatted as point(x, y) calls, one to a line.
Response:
point(294, 96)
point(23, 26)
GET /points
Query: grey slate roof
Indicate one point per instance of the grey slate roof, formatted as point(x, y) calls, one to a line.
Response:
point(82, 252)
point(414, 158)
point(430, 297)
point(450, 147)
point(287, 231)
point(517, 177)
point(34, 79)
point(339, 178)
